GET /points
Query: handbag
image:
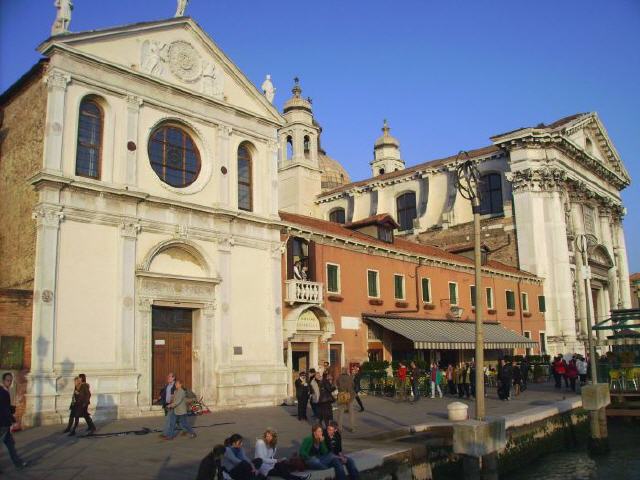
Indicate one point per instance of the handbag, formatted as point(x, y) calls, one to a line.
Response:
point(344, 398)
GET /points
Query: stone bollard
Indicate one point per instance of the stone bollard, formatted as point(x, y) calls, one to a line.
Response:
point(475, 440)
point(458, 411)
point(595, 399)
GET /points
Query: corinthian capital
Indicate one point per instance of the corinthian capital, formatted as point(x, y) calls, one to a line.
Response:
point(545, 179)
point(57, 79)
point(48, 216)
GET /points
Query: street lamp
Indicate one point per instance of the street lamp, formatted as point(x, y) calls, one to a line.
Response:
point(468, 184)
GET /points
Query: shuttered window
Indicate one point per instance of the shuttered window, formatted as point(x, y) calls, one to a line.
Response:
point(426, 290)
point(511, 300)
point(372, 283)
point(453, 293)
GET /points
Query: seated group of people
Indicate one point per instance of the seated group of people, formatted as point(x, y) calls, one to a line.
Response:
point(321, 450)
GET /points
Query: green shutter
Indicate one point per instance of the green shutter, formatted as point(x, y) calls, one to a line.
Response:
point(453, 294)
point(398, 287)
point(489, 298)
point(332, 278)
point(511, 300)
point(473, 295)
point(372, 281)
point(542, 304)
point(11, 353)
point(524, 301)
point(425, 291)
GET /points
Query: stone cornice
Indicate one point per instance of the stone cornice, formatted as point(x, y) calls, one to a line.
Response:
point(361, 246)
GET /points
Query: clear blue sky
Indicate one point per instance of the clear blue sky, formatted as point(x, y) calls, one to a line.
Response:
point(446, 74)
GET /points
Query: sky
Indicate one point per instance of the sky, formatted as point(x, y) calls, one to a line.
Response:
point(446, 74)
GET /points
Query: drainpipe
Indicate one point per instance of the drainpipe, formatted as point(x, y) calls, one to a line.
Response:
point(417, 282)
point(520, 310)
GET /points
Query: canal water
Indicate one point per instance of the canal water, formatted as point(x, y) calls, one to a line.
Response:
point(622, 463)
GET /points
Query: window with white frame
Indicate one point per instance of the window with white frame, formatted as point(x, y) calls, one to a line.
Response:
point(333, 278)
point(426, 290)
point(453, 293)
point(489, 291)
point(511, 299)
point(398, 286)
point(524, 299)
point(373, 285)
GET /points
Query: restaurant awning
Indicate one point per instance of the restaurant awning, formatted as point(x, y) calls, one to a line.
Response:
point(451, 334)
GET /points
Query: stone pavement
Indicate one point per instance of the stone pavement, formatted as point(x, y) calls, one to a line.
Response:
point(56, 456)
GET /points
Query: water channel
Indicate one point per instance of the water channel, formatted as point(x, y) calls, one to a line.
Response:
point(622, 463)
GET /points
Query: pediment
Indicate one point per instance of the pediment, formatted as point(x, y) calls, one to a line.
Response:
point(588, 134)
point(175, 51)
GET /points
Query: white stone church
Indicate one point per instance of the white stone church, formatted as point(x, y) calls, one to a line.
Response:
point(155, 172)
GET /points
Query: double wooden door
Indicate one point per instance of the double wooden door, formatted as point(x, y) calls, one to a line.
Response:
point(172, 346)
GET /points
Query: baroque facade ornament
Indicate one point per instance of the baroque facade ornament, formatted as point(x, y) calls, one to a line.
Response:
point(546, 179)
point(268, 89)
point(184, 61)
point(153, 57)
point(212, 80)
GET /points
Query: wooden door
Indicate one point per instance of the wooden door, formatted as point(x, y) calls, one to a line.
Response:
point(335, 359)
point(171, 353)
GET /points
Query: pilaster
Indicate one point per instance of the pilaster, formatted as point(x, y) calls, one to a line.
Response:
point(125, 329)
point(223, 157)
point(131, 153)
point(57, 82)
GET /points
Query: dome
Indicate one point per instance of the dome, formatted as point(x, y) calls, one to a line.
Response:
point(297, 102)
point(333, 174)
point(386, 138)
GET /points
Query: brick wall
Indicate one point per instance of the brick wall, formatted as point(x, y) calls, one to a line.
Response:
point(16, 311)
point(21, 149)
point(498, 234)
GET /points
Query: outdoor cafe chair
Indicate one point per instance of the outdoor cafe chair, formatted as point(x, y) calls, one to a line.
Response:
point(615, 378)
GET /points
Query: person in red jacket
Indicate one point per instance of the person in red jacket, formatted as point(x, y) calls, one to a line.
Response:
point(572, 374)
point(402, 380)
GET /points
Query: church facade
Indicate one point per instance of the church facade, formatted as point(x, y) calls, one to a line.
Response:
point(151, 174)
point(542, 189)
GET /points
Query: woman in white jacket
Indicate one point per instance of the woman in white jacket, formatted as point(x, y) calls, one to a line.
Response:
point(272, 466)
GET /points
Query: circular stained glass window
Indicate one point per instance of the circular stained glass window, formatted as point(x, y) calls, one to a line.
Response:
point(173, 155)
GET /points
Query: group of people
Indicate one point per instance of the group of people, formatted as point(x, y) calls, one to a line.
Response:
point(511, 374)
point(79, 407)
point(319, 451)
point(576, 368)
point(318, 389)
point(175, 403)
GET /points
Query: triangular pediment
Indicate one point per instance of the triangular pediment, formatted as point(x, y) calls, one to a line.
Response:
point(589, 135)
point(175, 51)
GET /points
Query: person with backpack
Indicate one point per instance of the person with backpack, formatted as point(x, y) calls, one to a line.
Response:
point(345, 398)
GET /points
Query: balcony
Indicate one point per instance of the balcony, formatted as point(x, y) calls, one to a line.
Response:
point(300, 291)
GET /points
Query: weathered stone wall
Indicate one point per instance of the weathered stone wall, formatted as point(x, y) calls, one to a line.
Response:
point(16, 310)
point(498, 234)
point(21, 145)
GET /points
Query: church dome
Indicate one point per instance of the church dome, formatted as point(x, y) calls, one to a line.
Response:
point(297, 102)
point(386, 139)
point(333, 174)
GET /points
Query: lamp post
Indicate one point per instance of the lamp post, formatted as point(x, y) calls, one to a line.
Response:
point(468, 183)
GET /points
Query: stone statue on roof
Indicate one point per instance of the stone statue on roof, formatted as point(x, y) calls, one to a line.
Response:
point(182, 6)
point(268, 89)
point(63, 16)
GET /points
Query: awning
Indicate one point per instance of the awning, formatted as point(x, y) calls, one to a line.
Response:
point(451, 334)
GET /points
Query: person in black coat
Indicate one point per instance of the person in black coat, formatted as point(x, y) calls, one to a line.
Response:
point(167, 392)
point(7, 419)
point(325, 410)
point(74, 408)
point(82, 406)
point(302, 395)
point(356, 386)
point(505, 382)
point(211, 465)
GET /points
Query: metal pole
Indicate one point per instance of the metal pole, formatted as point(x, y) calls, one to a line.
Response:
point(479, 333)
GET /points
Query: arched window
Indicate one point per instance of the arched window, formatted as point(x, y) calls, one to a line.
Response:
point(307, 145)
point(337, 215)
point(491, 194)
point(245, 196)
point(174, 156)
point(89, 148)
point(406, 206)
point(289, 147)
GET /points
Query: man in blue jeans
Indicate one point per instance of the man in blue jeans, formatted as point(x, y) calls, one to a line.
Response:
point(316, 455)
point(333, 439)
point(6, 419)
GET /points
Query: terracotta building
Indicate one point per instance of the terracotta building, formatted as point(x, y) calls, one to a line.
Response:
point(356, 292)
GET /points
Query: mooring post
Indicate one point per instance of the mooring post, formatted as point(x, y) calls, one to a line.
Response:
point(595, 399)
point(478, 442)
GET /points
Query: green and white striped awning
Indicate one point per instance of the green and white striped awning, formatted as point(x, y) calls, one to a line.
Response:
point(452, 334)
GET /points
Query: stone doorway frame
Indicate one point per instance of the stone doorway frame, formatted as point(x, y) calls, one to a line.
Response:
point(184, 292)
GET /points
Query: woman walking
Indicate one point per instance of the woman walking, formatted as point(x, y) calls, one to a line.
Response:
point(74, 411)
point(82, 406)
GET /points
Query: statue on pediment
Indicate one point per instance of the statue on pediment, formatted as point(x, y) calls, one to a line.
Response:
point(268, 89)
point(182, 6)
point(63, 17)
point(212, 80)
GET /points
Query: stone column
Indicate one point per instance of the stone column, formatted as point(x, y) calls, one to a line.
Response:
point(131, 152)
point(290, 392)
point(272, 189)
point(125, 330)
point(208, 358)
point(224, 158)
point(623, 267)
point(42, 388)
point(57, 82)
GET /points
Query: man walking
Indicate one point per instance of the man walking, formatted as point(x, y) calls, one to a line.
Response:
point(166, 394)
point(84, 399)
point(345, 398)
point(6, 420)
point(302, 395)
point(416, 373)
point(356, 386)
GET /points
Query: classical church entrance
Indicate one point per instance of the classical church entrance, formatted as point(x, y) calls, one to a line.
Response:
point(172, 345)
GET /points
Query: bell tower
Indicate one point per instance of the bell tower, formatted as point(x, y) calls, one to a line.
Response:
point(299, 173)
point(386, 153)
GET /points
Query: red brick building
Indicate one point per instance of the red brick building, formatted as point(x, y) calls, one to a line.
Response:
point(368, 295)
